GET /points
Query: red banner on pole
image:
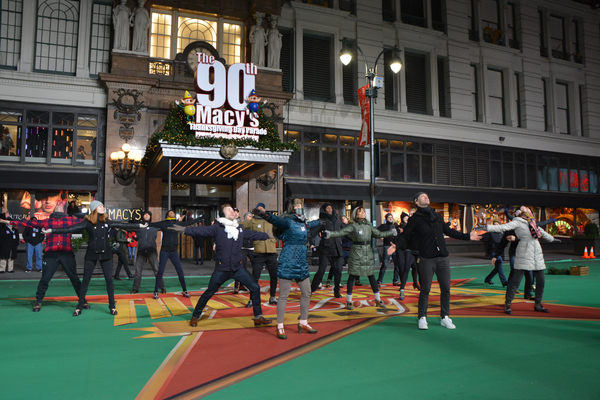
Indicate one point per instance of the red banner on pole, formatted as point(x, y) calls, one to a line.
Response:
point(364, 138)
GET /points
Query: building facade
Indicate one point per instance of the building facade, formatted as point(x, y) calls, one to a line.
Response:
point(494, 105)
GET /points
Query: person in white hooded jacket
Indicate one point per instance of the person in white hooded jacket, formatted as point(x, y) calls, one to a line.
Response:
point(528, 257)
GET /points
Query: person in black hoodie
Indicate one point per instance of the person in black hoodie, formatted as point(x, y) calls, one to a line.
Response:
point(229, 238)
point(388, 225)
point(97, 226)
point(168, 251)
point(146, 250)
point(493, 241)
point(9, 241)
point(429, 229)
point(406, 260)
point(34, 238)
point(330, 250)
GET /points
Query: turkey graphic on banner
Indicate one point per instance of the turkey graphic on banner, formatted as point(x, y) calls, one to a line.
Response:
point(364, 138)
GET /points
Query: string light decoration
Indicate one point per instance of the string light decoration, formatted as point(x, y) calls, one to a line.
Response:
point(177, 131)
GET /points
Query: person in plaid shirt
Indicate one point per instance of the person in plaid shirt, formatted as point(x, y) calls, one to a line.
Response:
point(59, 251)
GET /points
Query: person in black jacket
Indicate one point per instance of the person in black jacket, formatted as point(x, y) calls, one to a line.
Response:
point(9, 241)
point(229, 238)
point(330, 250)
point(199, 247)
point(33, 237)
point(493, 241)
point(389, 224)
point(146, 250)
point(429, 229)
point(168, 251)
point(97, 226)
point(119, 247)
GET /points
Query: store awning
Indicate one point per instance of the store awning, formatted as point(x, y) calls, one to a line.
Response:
point(201, 164)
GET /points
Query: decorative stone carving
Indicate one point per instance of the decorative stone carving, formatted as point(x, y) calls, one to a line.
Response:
point(266, 181)
point(127, 111)
point(258, 38)
point(228, 151)
point(140, 20)
point(274, 43)
point(121, 15)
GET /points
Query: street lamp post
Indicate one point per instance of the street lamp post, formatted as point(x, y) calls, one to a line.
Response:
point(371, 93)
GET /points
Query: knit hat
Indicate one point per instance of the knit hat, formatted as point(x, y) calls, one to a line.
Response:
point(94, 204)
point(416, 196)
point(261, 205)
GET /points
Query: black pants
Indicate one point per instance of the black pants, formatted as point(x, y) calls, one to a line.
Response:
point(441, 267)
point(514, 285)
point(88, 269)
point(247, 254)
point(408, 262)
point(162, 263)
point(270, 260)
point(336, 269)
point(372, 281)
point(122, 263)
point(52, 259)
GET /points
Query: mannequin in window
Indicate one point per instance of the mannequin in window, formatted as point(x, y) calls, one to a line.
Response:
point(121, 14)
point(258, 38)
point(274, 43)
point(140, 20)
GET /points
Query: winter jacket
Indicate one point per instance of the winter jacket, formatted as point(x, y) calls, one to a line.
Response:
point(133, 236)
point(529, 254)
point(146, 237)
point(512, 249)
point(119, 238)
point(9, 241)
point(294, 233)
point(33, 236)
point(260, 225)
point(361, 262)
point(170, 238)
point(492, 243)
point(331, 247)
point(98, 246)
point(428, 228)
point(387, 226)
point(228, 253)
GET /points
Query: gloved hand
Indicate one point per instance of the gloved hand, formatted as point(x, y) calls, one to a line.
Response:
point(46, 231)
point(394, 232)
point(322, 224)
point(326, 234)
point(144, 225)
point(177, 228)
point(480, 228)
point(260, 213)
point(552, 220)
point(557, 241)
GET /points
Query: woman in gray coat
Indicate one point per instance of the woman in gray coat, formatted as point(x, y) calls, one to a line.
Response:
point(528, 257)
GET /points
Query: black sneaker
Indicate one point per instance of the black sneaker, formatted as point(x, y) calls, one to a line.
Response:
point(37, 307)
point(155, 295)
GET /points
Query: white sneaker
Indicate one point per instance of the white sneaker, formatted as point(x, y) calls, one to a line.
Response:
point(423, 323)
point(447, 322)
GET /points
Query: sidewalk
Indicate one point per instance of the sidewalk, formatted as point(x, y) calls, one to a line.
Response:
point(191, 269)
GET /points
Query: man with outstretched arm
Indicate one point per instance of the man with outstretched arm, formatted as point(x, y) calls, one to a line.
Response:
point(229, 237)
point(429, 229)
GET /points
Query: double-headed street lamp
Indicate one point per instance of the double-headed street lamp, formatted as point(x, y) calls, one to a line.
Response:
point(371, 93)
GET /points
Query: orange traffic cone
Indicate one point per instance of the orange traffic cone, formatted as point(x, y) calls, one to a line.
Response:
point(585, 254)
point(592, 253)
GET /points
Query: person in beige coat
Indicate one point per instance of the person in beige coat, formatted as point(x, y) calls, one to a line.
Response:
point(528, 257)
point(265, 253)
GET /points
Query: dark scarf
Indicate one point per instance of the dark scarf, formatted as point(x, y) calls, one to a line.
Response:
point(428, 212)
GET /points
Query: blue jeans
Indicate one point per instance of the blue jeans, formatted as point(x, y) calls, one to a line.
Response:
point(131, 252)
point(36, 250)
point(220, 277)
point(497, 270)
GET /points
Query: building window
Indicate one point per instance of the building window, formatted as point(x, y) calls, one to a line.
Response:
point(575, 50)
point(437, 15)
point(56, 36)
point(474, 93)
point(350, 81)
point(556, 28)
point(61, 136)
point(473, 33)
point(11, 15)
point(545, 100)
point(442, 89)
point(388, 10)
point(413, 13)
point(416, 83)
point(543, 48)
point(389, 82)
point(286, 62)
point(318, 69)
point(166, 36)
point(490, 18)
point(581, 104)
point(562, 109)
point(100, 40)
point(518, 98)
point(513, 42)
point(496, 97)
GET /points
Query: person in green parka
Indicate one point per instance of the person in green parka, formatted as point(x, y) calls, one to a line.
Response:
point(361, 261)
